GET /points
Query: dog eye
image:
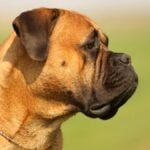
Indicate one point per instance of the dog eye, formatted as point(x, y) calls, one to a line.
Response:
point(92, 44)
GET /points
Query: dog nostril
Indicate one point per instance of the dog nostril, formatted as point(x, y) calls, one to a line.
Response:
point(125, 59)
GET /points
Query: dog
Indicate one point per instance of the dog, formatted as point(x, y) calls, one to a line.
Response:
point(57, 63)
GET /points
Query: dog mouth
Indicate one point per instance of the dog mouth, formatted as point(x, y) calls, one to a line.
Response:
point(108, 110)
point(103, 112)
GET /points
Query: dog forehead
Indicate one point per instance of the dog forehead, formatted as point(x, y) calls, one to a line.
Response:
point(73, 26)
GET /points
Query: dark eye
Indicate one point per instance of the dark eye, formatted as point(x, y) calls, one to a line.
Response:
point(92, 43)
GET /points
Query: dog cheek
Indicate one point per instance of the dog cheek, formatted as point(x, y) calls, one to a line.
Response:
point(85, 87)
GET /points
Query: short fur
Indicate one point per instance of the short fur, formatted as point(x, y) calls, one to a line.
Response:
point(46, 77)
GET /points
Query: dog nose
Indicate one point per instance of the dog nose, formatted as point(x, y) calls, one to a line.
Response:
point(117, 59)
point(125, 59)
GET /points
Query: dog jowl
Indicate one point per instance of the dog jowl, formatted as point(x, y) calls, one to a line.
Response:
point(55, 64)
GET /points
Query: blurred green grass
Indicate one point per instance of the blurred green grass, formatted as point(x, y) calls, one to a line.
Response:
point(130, 128)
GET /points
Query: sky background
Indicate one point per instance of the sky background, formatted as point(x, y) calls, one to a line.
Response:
point(11, 8)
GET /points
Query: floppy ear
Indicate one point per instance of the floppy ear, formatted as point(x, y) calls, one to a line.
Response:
point(34, 29)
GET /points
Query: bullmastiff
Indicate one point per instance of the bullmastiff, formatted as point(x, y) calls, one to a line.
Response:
point(55, 64)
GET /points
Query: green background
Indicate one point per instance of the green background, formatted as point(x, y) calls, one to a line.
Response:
point(130, 128)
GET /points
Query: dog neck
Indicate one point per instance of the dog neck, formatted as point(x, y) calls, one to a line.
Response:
point(27, 122)
point(34, 137)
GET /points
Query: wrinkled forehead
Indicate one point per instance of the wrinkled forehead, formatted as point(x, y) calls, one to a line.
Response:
point(76, 26)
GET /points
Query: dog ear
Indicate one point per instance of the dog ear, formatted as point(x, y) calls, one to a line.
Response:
point(34, 29)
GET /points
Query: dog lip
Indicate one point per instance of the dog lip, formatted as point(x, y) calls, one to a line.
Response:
point(109, 114)
point(103, 112)
point(108, 110)
point(122, 98)
point(98, 110)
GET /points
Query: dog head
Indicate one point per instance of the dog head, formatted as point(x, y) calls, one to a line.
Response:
point(79, 69)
